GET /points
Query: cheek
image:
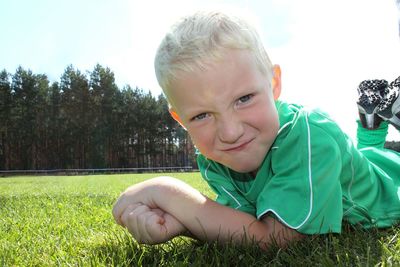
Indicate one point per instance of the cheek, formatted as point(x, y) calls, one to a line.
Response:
point(268, 122)
point(202, 139)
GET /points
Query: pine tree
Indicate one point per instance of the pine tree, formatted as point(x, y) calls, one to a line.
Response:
point(75, 107)
point(5, 119)
point(105, 98)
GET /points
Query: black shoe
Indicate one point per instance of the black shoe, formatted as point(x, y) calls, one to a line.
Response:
point(389, 108)
point(370, 94)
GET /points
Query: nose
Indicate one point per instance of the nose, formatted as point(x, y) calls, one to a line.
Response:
point(230, 129)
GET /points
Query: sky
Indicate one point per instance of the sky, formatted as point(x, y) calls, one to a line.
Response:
point(325, 48)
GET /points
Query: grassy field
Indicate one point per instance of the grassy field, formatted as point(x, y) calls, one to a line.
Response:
point(67, 221)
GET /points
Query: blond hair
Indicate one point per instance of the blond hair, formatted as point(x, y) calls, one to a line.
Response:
point(200, 39)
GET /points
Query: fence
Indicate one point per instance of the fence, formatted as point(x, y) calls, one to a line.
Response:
point(96, 171)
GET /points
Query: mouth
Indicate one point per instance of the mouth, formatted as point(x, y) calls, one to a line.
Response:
point(239, 147)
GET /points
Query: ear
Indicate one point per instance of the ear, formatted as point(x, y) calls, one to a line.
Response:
point(175, 116)
point(276, 82)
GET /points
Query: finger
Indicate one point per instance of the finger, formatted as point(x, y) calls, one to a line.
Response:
point(134, 218)
point(160, 213)
point(151, 231)
point(123, 219)
point(140, 218)
point(120, 206)
point(128, 219)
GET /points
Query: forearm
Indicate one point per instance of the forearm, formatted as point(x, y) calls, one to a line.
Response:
point(209, 221)
point(203, 218)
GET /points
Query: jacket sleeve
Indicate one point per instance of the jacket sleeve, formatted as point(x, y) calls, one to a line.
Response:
point(221, 183)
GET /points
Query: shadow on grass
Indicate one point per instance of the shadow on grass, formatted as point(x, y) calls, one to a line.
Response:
point(354, 247)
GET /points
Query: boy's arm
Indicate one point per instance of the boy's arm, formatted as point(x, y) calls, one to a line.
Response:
point(202, 217)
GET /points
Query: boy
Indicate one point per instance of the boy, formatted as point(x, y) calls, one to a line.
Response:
point(280, 171)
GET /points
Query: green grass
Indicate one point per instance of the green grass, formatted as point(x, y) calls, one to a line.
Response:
point(67, 221)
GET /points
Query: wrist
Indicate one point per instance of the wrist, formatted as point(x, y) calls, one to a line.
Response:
point(176, 197)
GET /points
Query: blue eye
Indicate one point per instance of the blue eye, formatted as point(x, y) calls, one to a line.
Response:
point(245, 98)
point(201, 116)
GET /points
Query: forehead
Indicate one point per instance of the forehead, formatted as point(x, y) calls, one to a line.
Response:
point(227, 77)
point(181, 69)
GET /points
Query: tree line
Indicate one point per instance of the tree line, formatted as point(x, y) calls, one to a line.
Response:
point(85, 121)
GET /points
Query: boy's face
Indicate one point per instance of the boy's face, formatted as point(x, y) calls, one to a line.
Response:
point(229, 111)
